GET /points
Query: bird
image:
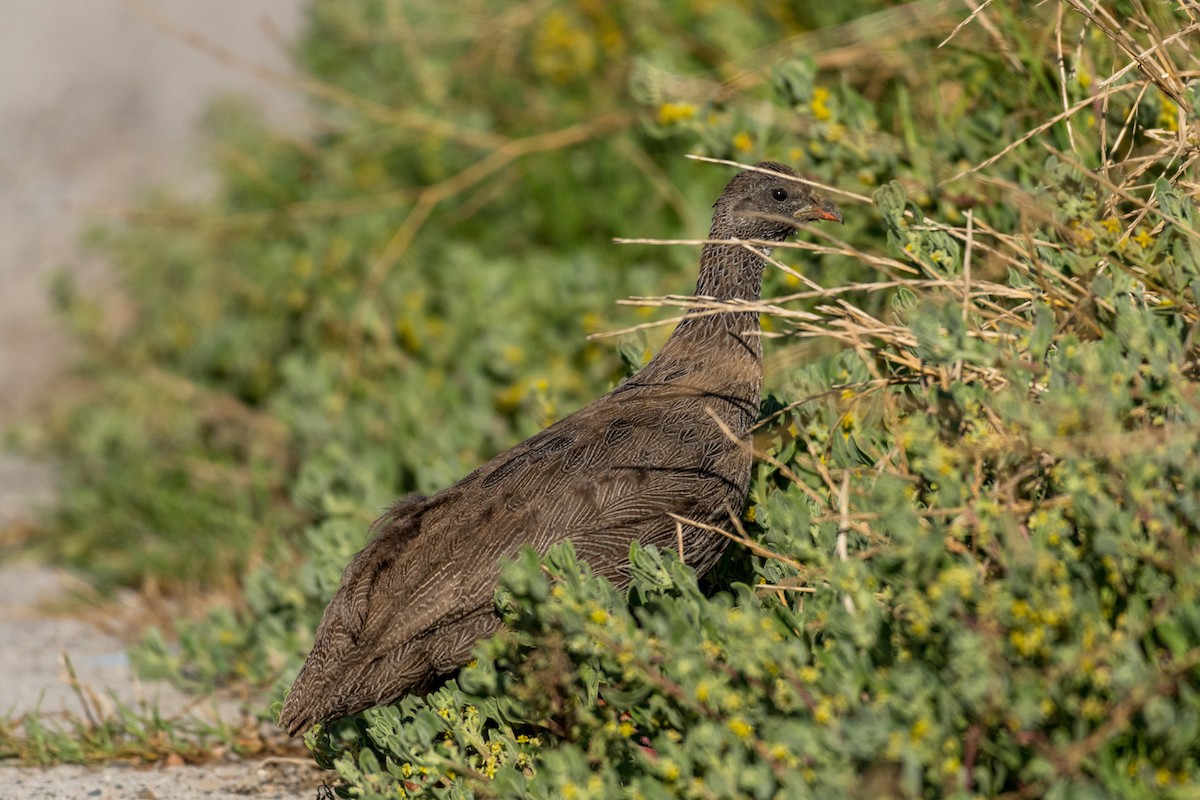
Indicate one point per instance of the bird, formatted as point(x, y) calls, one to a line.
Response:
point(669, 443)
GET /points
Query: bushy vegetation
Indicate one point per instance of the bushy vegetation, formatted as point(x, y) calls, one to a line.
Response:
point(969, 562)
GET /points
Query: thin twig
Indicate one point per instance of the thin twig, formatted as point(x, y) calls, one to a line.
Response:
point(750, 544)
point(979, 10)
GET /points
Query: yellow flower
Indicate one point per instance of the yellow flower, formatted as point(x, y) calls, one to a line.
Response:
point(740, 728)
point(1168, 117)
point(819, 106)
point(1111, 225)
point(1143, 239)
point(670, 113)
point(742, 142)
point(1028, 643)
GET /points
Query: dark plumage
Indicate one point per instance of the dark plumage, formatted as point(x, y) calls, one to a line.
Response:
point(416, 599)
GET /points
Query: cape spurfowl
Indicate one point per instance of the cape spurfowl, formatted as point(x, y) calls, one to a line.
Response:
point(416, 599)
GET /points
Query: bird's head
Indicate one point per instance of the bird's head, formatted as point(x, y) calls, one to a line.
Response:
point(758, 205)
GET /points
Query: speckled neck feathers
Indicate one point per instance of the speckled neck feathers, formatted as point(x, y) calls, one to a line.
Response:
point(728, 272)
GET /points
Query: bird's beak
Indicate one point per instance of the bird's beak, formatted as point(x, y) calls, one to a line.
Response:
point(829, 211)
point(821, 209)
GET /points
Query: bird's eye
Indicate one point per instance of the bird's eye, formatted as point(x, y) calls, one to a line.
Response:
point(779, 194)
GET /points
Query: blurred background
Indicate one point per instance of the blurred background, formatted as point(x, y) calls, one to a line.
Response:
point(99, 102)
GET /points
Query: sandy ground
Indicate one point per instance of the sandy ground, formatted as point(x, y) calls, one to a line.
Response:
point(98, 103)
point(272, 779)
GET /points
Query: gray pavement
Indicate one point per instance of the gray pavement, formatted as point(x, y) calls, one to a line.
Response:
point(265, 780)
point(36, 642)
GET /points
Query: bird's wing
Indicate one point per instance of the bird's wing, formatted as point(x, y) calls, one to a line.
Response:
point(600, 479)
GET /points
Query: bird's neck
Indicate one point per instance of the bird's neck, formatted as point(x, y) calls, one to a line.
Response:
point(728, 272)
point(717, 353)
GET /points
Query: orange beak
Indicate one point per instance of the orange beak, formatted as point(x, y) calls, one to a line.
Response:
point(821, 209)
point(826, 210)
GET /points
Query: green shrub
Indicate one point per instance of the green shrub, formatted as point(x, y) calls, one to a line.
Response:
point(971, 545)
